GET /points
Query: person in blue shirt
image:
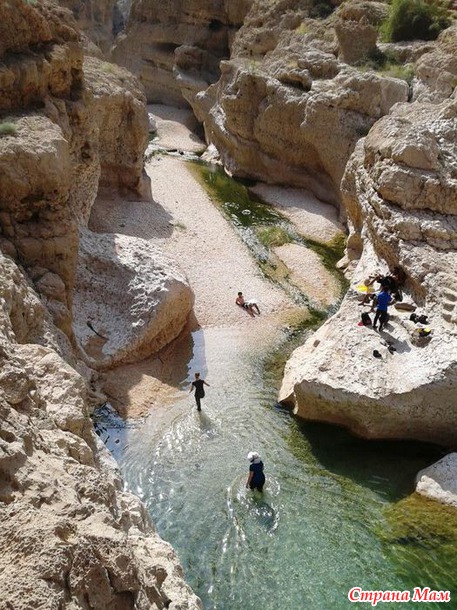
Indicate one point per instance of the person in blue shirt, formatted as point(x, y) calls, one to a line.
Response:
point(383, 300)
point(256, 478)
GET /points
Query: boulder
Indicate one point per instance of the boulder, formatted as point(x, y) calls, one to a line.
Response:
point(130, 301)
point(438, 481)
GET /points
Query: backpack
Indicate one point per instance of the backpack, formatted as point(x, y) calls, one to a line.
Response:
point(366, 320)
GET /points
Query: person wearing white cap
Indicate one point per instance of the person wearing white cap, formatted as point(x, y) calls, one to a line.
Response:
point(256, 478)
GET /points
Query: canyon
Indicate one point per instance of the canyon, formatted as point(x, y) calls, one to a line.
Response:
point(284, 96)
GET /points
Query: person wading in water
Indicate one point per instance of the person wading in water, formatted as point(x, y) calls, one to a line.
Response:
point(199, 389)
point(256, 478)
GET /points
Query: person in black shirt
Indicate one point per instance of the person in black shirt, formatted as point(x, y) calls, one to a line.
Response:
point(199, 389)
point(256, 478)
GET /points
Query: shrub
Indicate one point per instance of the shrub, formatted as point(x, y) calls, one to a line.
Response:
point(8, 129)
point(321, 9)
point(387, 65)
point(405, 71)
point(415, 20)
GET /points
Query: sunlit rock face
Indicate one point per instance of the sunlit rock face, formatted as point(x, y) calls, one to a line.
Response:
point(400, 192)
point(119, 110)
point(133, 296)
point(287, 108)
point(99, 20)
point(71, 537)
point(176, 46)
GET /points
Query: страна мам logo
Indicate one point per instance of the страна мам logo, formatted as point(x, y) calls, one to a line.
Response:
point(425, 594)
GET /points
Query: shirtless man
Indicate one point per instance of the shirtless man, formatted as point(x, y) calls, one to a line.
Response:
point(249, 306)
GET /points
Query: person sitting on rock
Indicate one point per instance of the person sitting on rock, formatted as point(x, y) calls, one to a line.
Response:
point(250, 306)
point(392, 281)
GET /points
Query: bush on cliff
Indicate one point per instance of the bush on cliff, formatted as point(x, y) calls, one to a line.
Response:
point(8, 129)
point(321, 9)
point(415, 20)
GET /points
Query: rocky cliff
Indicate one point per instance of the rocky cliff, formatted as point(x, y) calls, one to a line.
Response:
point(400, 193)
point(177, 46)
point(71, 537)
point(99, 20)
point(70, 125)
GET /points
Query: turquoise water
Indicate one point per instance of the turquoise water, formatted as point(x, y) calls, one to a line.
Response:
point(332, 516)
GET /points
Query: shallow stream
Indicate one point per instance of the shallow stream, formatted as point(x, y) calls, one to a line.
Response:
point(331, 517)
point(337, 512)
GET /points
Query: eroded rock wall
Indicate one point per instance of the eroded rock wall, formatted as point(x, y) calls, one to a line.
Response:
point(49, 156)
point(65, 133)
point(71, 537)
point(287, 108)
point(100, 20)
point(119, 107)
point(176, 47)
point(400, 192)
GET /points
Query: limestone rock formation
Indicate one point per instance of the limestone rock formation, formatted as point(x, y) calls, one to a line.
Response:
point(177, 46)
point(100, 20)
point(438, 481)
point(61, 141)
point(131, 295)
point(356, 27)
point(122, 119)
point(400, 193)
point(71, 538)
point(49, 167)
point(285, 110)
point(437, 69)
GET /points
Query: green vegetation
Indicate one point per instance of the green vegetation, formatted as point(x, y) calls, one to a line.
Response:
point(109, 68)
point(321, 9)
point(7, 128)
point(410, 522)
point(387, 65)
point(405, 71)
point(262, 228)
point(272, 237)
point(299, 324)
point(302, 29)
point(415, 524)
point(415, 20)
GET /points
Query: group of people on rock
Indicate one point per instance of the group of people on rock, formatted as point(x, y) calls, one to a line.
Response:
point(389, 294)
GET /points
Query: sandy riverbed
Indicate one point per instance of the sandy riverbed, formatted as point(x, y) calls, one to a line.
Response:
point(184, 222)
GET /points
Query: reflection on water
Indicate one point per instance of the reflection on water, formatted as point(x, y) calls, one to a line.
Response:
point(330, 517)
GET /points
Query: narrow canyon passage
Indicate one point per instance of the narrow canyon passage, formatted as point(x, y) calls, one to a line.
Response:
point(332, 515)
point(328, 519)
